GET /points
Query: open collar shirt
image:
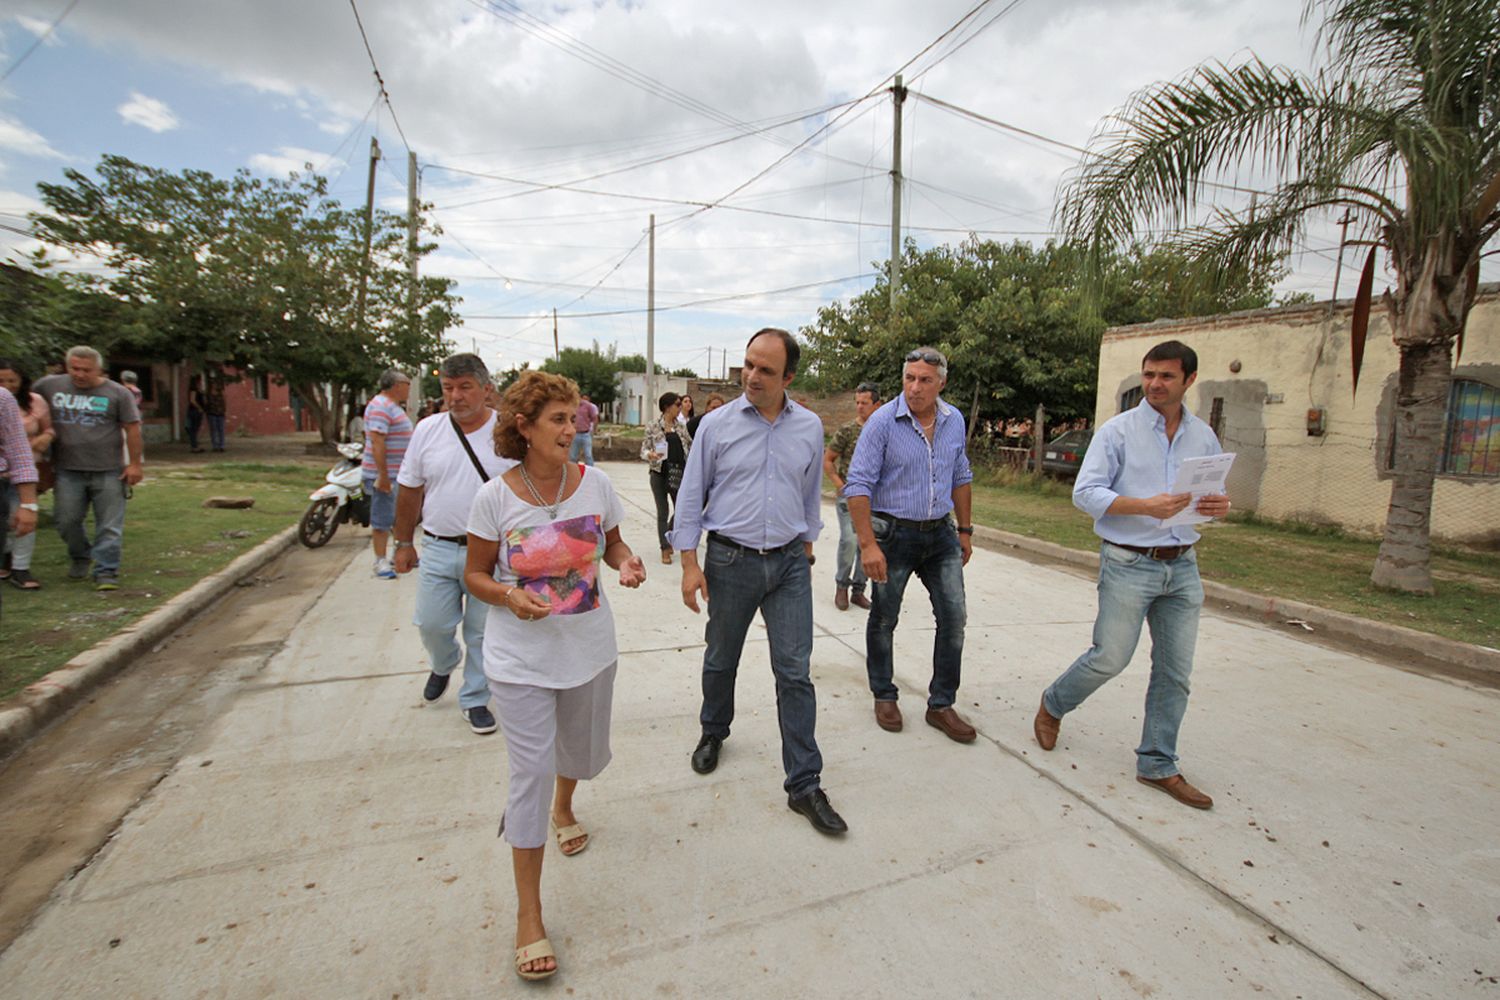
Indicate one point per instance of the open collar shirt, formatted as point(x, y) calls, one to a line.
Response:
point(755, 481)
point(904, 474)
point(1130, 456)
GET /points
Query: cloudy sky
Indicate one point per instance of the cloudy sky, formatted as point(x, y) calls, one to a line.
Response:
point(547, 134)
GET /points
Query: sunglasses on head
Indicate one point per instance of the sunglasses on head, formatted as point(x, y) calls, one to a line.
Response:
point(931, 357)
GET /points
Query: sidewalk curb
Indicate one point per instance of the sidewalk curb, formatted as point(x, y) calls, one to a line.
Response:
point(44, 700)
point(1391, 639)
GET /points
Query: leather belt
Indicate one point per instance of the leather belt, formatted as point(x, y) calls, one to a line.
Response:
point(714, 536)
point(903, 522)
point(1161, 553)
point(455, 539)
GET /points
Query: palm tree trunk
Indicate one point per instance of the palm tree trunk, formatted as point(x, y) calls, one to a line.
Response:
point(1404, 560)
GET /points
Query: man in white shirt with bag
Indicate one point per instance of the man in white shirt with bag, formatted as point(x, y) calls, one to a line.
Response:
point(451, 455)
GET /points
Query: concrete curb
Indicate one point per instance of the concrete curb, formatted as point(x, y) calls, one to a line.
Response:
point(44, 700)
point(1393, 639)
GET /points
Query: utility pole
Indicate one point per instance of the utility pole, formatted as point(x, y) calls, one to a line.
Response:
point(1039, 439)
point(364, 270)
point(556, 344)
point(650, 319)
point(898, 96)
point(1339, 266)
point(413, 400)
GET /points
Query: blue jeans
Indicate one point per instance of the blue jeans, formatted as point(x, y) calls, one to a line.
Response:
point(1168, 596)
point(850, 572)
point(216, 431)
point(443, 604)
point(105, 491)
point(583, 444)
point(779, 586)
point(938, 560)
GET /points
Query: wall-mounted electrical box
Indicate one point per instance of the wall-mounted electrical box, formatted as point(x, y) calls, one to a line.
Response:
point(1316, 419)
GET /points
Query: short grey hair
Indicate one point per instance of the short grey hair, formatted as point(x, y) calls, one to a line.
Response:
point(941, 364)
point(84, 351)
point(392, 377)
point(129, 376)
point(459, 365)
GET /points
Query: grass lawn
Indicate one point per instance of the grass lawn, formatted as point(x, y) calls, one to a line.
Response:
point(1299, 563)
point(171, 542)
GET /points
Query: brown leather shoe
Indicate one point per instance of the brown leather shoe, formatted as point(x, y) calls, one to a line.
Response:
point(1045, 727)
point(859, 600)
point(888, 716)
point(953, 727)
point(1177, 786)
point(841, 598)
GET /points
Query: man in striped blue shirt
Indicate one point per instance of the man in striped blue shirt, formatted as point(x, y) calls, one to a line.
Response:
point(908, 481)
point(1147, 571)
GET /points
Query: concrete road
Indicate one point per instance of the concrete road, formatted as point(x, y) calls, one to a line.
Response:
point(328, 836)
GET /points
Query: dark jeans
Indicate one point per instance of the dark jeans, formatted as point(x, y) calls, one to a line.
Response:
point(194, 423)
point(779, 586)
point(936, 557)
point(4, 512)
point(664, 518)
point(216, 431)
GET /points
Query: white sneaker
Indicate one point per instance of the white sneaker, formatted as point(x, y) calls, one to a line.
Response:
point(384, 569)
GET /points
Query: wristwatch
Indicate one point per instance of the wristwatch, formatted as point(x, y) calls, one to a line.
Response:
point(966, 531)
point(404, 545)
point(30, 506)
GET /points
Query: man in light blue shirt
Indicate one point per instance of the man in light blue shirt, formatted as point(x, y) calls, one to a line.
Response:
point(753, 481)
point(1146, 571)
point(908, 481)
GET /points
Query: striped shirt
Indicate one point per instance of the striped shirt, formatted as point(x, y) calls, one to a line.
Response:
point(15, 451)
point(385, 416)
point(900, 471)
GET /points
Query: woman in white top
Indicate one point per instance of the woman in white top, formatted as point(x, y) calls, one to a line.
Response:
point(536, 537)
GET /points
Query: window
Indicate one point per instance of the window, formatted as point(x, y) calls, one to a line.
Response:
point(1216, 417)
point(1471, 444)
point(1471, 435)
point(1131, 398)
point(261, 386)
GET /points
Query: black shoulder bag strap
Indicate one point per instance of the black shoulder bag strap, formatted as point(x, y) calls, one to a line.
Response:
point(463, 439)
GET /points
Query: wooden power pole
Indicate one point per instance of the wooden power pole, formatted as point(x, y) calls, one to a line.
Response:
point(650, 320)
point(364, 269)
point(898, 96)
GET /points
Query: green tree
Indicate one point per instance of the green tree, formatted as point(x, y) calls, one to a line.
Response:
point(1013, 319)
point(683, 373)
point(1402, 130)
point(261, 274)
point(592, 369)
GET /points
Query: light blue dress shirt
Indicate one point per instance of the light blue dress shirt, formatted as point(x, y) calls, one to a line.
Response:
point(901, 473)
point(756, 482)
point(1130, 456)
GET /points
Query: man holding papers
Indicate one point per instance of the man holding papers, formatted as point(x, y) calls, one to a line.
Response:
point(1129, 484)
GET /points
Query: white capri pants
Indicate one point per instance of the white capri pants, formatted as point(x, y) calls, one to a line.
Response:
point(550, 732)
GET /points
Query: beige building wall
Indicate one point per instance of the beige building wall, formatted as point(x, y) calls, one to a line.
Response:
point(1269, 367)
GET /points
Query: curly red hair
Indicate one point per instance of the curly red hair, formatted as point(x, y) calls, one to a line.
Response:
point(527, 397)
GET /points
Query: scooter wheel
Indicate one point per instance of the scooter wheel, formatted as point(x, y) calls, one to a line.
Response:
point(319, 522)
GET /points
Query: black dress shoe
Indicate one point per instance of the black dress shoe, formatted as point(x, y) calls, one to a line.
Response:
point(815, 806)
point(706, 757)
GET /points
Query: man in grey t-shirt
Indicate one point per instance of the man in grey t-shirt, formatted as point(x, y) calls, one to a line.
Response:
point(98, 457)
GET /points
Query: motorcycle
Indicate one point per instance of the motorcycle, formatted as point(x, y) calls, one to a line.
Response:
point(341, 498)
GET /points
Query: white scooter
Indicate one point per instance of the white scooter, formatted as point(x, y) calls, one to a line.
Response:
point(341, 498)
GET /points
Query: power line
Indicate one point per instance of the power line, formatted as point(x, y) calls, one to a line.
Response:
point(379, 80)
point(39, 40)
point(955, 49)
point(696, 302)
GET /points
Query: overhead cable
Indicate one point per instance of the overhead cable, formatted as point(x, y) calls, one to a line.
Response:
point(379, 80)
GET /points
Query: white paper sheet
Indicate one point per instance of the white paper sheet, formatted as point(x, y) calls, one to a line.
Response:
point(1201, 477)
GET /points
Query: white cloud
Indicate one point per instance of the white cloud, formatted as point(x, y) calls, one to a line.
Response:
point(293, 159)
point(148, 112)
point(38, 27)
point(19, 139)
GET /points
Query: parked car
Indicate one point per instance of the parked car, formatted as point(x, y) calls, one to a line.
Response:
point(1064, 453)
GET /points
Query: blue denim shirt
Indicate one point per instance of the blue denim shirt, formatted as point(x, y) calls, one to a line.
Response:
point(1131, 457)
point(762, 481)
point(900, 472)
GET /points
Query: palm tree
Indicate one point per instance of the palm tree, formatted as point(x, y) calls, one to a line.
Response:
point(1401, 128)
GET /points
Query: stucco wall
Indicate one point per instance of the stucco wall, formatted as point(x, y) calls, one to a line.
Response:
point(1294, 359)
